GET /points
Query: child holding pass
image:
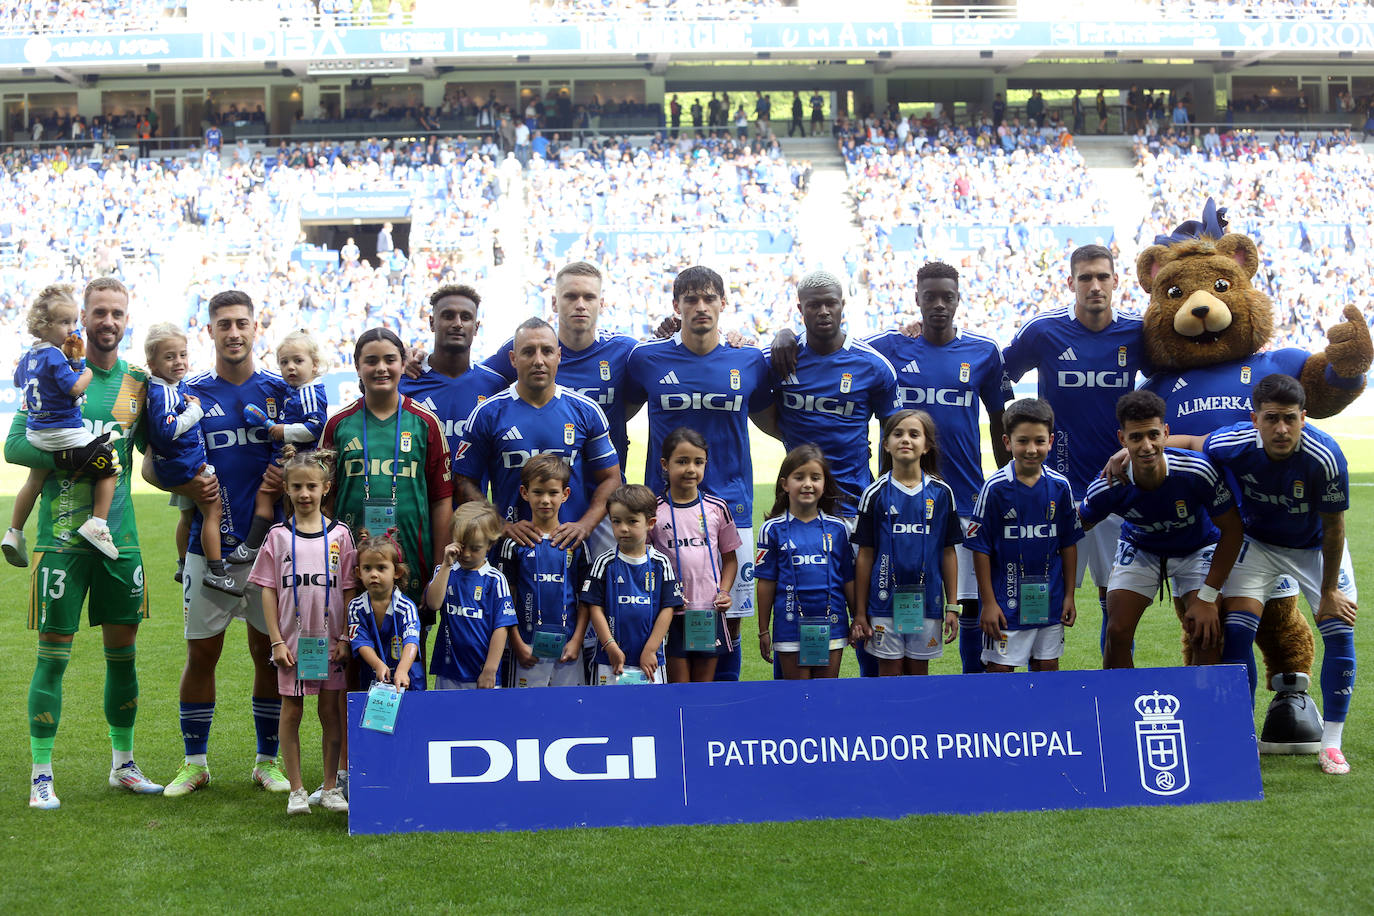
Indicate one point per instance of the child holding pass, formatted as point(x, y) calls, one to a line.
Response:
point(1025, 527)
point(632, 594)
point(906, 571)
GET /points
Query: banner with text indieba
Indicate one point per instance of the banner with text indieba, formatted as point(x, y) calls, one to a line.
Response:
point(781, 751)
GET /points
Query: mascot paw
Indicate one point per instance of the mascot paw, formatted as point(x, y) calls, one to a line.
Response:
point(1292, 725)
point(1349, 349)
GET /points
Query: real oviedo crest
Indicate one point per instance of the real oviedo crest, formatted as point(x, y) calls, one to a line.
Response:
point(1160, 745)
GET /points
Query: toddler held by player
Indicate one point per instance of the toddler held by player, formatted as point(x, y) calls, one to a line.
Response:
point(178, 448)
point(52, 376)
point(906, 572)
point(298, 422)
point(307, 570)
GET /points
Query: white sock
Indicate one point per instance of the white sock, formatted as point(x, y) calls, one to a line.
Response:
point(197, 759)
point(42, 769)
point(1331, 734)
point(119, 758)
point(16, 531)
point(342, 774)
point(100, 521)
point(263, 758)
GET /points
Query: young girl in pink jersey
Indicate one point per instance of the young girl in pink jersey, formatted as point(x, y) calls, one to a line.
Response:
point(307, 568)
point(697, 533)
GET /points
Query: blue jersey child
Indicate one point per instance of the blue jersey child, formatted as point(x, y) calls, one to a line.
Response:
point(1023, 537)
point(383, 624)
point(906, 570)
point(51, 378)
point(297, 422)
point(178, 448)
point(631, 592)
point(546, 647)
point(805, 571)
point(473, 604)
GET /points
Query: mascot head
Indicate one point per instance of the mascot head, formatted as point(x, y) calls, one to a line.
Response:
point(1203, 308)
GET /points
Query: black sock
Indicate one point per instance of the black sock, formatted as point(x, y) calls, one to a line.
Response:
point(216, 567)
point(258, 532)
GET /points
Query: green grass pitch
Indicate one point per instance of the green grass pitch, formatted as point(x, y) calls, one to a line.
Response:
point(229, 848)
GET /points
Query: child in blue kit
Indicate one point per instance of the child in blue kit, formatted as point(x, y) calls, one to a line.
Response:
point(906, 571)
point(804, 569)
point(383, 624)
point(546, 647)
point(632, 593)
point(52, 378)
point(297, 422)
point(178, 448)
point(473, 604)
point(1025, 526)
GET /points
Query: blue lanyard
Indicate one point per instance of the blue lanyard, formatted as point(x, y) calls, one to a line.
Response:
point(295, 593)
point(705, 532)
point(796, 578)
point(1049, 517)
point(565, 590)
point(892, 535)
point(395, 453)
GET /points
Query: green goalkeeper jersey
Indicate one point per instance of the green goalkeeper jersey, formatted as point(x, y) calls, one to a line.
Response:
point(114, 403)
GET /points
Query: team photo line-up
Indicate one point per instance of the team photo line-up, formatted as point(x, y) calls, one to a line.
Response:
point(487, 502)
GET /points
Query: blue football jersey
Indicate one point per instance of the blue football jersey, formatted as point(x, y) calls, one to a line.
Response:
point(239, 452)
point(1082, 374)
point(1202, 400)
point(544, 581)
point(908, 530)
point(713, 394)
point(1175, 518)
point(307, 406)
point(948, 382)
point(1281, 502)
point(44, 378)
point(1023, 530)
point(631, 591)
point(829, 400)
point(177, 456)
point(810, 561)
point(596, 372)
point(453, 399)
point(400, 627)
point(505, 431)
point(477, 603)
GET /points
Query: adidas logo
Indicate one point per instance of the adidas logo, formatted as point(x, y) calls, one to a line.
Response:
point(428, 404)
point(1249, 478)
point(669, 379)
point(891, 510)
point(512, 434)
point(216, 411)
point(912, 368)
point(1069, 355)
point(354, 444)
point(791, 379)
point(1011, 513)
point(1177, 385)
point(1133, 514)
point(620, 580)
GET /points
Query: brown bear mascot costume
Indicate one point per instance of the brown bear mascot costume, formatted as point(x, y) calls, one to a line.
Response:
point(1205, 329)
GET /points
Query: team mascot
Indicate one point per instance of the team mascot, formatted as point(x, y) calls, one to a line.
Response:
point(1206, 328)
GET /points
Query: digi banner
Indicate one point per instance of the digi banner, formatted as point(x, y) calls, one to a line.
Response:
point(474, 760)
